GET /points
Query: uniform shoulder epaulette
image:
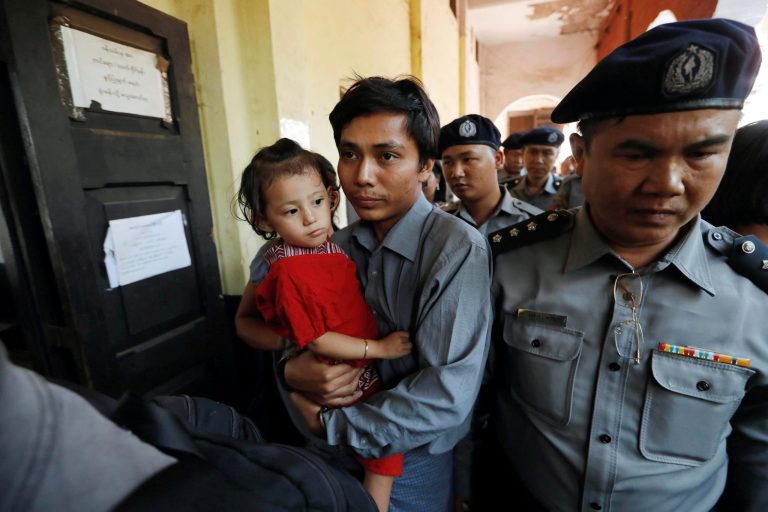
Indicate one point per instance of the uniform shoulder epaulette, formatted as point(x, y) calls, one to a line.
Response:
point(746, 255)
point(512, 183)
point(452, 208)
point(536, 229)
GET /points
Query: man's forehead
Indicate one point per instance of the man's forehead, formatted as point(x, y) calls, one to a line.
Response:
point(390, 126)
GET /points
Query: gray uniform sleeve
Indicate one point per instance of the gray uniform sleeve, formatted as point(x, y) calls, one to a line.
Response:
point(452, 331)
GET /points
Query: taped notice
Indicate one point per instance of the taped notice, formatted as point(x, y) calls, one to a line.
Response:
point(138, 248)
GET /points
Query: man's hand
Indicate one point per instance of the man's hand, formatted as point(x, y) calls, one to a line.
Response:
point(325, 384)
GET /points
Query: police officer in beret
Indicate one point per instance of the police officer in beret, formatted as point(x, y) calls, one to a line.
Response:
point(513, 157)
point(539, 185)
point(470, 153)
point(631, 349)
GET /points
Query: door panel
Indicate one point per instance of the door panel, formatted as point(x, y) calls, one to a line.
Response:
point(90, 166)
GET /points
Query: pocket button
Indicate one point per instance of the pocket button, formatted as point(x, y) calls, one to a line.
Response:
point(535, 342)
point(702, 385)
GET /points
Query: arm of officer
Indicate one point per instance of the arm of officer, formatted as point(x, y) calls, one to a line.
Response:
point(452, 331)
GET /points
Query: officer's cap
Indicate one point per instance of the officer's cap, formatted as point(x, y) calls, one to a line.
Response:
point(514, 141)
point(544, 136)
point(469, 129)
point(687, 65)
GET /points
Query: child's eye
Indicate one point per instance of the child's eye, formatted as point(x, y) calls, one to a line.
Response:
point(319, 201)
point(292, 211)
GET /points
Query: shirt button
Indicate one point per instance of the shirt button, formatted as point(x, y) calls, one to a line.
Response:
point(535, 342)
point(614, 367)
point(595, 506)
point(717, 236)
point(702, 385)
point(605, 439)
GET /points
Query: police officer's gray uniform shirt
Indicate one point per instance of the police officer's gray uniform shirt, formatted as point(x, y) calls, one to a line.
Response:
point(545, 197)
point(586, 427)
point(509, 211)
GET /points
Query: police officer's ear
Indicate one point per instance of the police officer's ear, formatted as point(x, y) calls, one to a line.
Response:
point(333, 196)
point(426, 170)
point(499, 158)
point(579, 151)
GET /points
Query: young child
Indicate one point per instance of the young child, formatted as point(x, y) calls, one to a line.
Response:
point(311, 294)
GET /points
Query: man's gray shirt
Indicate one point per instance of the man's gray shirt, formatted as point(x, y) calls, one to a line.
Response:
point(430, 276)
point(585, 426)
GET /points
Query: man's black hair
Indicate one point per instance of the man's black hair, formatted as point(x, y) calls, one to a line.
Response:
point(404, 95)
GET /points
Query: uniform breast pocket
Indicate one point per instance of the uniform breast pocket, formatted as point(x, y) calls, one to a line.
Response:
point(541, 366)
point(688, 405)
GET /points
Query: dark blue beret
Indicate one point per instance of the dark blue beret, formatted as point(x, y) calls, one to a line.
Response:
point(513, 141)
point(687, 65)
point(544, 136)
point(469, 129)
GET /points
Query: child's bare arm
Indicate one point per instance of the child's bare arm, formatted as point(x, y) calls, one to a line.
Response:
point(340, 346)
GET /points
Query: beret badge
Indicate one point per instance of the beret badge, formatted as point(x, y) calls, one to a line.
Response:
point(692, 70)
point(467, 129)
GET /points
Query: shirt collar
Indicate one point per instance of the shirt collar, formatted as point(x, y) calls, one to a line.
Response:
point(506, 205)
point(688, 254)
point(404, 236)
point(550, 185)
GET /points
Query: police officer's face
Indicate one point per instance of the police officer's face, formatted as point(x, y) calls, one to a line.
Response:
point(470, 170)
point(379, 168)
point(539, 161)
point(645, 177)
point(513, 160)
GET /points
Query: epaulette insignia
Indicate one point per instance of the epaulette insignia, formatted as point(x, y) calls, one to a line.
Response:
point(536, 229)
point(746, 255)
point(749, 257)
point(557, 182)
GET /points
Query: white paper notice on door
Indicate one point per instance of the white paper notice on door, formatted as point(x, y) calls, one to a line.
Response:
point(119, 77)
point(137, 248)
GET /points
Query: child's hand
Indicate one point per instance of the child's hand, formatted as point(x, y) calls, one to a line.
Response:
point(393, 345)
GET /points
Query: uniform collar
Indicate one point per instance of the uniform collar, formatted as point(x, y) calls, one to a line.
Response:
point(688, 254)
point(506, 205)
point(404, 236)
point(549, 186)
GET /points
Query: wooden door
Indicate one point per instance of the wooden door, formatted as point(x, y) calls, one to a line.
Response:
point(90, 165)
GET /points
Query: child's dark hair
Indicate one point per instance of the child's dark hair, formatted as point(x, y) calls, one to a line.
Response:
point(405, 96)
point(283, 158)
